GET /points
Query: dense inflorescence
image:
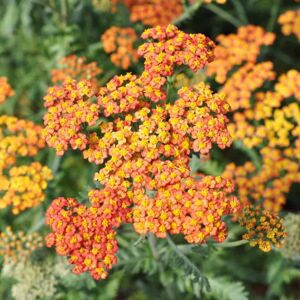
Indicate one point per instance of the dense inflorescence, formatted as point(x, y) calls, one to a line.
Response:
point(264, 120)
point(290, 23)
point(264, 228)
point(24, 186)
point(17, 246)
point(21, 186)
point(236, 49)
point(69, 108)
point(119, 43)
point(143, 149)
point(239, 87)
point(153, 12)
point(18, 138)
point(87, 234)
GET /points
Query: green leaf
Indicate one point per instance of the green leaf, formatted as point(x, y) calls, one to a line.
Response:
point(223, 289)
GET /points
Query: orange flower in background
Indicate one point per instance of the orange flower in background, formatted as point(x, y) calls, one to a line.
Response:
point(17, 246)
point(271, 126)
point(18, 138)
point(277, 120)
point(119, 43)
point(269, 184)
point(24, 186)
point(153, 12)
point(236, 49)
point(5, 89)
point(75, 67)
point(289, 84)
point(290, 23)
point(246, 80)
point(264, 229)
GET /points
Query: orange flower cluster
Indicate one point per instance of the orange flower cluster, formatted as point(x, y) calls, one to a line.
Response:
point(269, 184)
point(17, 246)
point(266, 121)
point(18, 138)
point(264, 228)
point(240, 86)
point(274, 123)
point(86, 234)
point(190, 207)
point(74, 67)
point(174, 47)
point(119, 42)
point(273, 126)
point(290, 23)
point(289, 85)
point(143, 149)
point(5, 89)
point(24, 186)
point(153, 12)
point(69, 108)
point(236, 49)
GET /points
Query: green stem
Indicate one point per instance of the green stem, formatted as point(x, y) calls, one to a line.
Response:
point(231, 244)
point(218, 245)
point(273, 15)
point(155, 253)
point(55, 164)
point(188, 262)
point(188, 12)
point(250, 152)
point(240, 11)
point(224, 15)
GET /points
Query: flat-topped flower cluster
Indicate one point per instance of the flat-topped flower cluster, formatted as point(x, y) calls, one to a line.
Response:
point(142, 139)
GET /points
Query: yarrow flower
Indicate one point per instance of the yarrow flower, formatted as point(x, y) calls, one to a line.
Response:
point(153, 12)
point(264, 120)
point(144, 149)
point(18, 138)
point(87, 234)
point(75, 67)
point(24, 186)
point(240, 86)
point(69, 108)
point(19, 245)
point(264, 229)
point(290, 23)
point(119, 43)
point(5, 89)
point(239, 48)
point(21, 186)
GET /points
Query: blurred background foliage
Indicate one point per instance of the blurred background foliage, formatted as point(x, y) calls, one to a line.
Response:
point(34, 35)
